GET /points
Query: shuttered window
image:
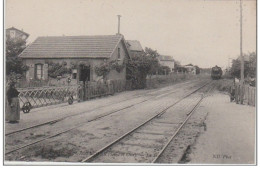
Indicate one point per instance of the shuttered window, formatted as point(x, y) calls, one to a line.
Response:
point(39, 71)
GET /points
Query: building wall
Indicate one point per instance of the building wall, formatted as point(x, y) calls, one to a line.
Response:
point(30, 74)
point(113, 75)
point(191, 69)
point(17, 34)
point(170, 64)
point(135, 53)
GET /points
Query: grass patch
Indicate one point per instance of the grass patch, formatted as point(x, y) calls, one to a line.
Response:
point(162, 81)
point(224, 85)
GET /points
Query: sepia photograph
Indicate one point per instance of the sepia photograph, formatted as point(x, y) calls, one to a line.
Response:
point(129, 82)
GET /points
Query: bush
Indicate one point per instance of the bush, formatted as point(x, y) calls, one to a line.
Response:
point(164, 70)
point(14, 77)
point(56, 69)
point(105, 68)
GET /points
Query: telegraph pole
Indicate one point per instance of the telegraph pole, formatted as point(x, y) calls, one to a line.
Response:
point(241, 44)
point(241, 88)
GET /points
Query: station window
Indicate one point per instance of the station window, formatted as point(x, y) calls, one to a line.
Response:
point(12, 34)
point(39, 71)
point(118, 49)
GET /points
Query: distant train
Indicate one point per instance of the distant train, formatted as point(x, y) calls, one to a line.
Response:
point(216, 72)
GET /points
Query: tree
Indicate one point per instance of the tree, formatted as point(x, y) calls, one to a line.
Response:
point(249, 66)
point(197, 69)
point(104, 69)
point(14, 46)
point(252, 64)
point(177, 64)
point(141, 65)
point(178, 67)
point(13, 63)
point(151, 57)
point(164, 70)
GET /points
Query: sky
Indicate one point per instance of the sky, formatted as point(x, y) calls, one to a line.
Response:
point(202, 32)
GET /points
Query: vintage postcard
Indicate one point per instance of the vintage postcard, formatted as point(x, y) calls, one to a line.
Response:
point(130, 82)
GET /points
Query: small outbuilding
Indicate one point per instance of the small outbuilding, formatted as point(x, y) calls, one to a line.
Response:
point(166, 60)
point(190, 69)
point(14, 33)
point(134, 46)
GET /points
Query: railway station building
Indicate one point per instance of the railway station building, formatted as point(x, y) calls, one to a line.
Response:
point(80, 53)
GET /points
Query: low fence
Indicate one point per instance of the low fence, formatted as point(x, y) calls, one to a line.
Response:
point(51, 82)
point(93, 90)
point(50, 95)
point(96, 89)
point(45, 96)
point(244, 94)
point(250, 95)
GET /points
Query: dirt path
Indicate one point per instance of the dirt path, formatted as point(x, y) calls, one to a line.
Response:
point(229, 136)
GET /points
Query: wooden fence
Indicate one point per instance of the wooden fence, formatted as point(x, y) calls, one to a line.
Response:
point(96, 89)
point(50, 95)
point(250, 95)
point(245, 94)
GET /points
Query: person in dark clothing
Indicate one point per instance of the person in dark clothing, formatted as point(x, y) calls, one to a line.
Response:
point(12, 105)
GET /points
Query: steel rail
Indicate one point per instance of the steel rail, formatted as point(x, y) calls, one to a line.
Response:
point(91, 157)
point(177, 131)
point(81, 124)
point(63, 118)
point(135, 96)
point(60, 119)
point(189, 114)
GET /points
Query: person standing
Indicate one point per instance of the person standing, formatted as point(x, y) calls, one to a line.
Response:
point(12, 105)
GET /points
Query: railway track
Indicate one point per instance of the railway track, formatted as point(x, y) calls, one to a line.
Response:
point(136, 96)
point(77, 126)
point(134, 146)
point(84, 112)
